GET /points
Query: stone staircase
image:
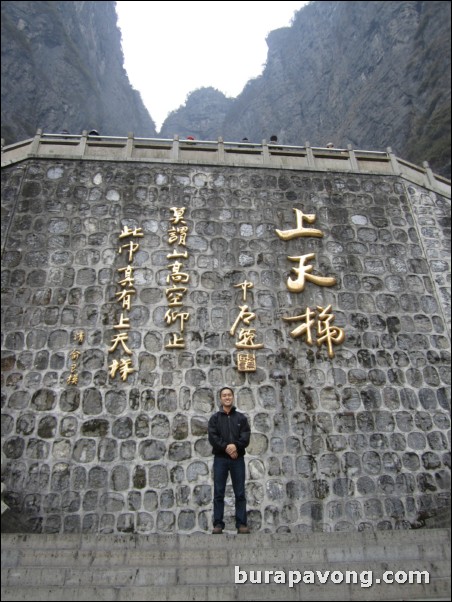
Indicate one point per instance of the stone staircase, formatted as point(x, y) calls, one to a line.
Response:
point(202, 567)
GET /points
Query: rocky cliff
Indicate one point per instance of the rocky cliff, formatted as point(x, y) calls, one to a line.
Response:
point(62, 68)
point(202, 116)
point(373, 74)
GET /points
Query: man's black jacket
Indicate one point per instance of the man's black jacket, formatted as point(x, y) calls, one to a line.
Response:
point(229, 428)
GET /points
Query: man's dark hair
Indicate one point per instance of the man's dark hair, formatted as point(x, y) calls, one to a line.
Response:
point(226, 388)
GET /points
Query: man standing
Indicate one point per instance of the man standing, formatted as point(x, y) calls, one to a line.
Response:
point(229, 435)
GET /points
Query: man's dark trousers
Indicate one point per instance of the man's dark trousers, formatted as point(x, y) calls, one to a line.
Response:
point(221, 467)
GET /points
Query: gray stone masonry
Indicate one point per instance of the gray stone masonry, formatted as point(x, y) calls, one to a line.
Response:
point(355, 442)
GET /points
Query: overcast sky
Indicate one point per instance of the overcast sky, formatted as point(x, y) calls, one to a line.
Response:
point(172, 48)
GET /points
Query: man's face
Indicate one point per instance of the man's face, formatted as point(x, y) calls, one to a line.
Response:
point(227, 398)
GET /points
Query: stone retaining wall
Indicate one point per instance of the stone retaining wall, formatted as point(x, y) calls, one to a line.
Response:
point(351, 442)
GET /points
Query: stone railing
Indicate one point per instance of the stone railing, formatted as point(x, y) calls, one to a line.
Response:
point(240, 154)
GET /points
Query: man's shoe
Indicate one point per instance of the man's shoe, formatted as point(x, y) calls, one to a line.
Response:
point(217, 530)
point(243, 529)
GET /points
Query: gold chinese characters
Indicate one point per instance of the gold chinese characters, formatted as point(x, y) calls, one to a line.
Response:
point(246, 359)
point(123, 364)
point(178, 277)
point(78, 337)
point(327, 334)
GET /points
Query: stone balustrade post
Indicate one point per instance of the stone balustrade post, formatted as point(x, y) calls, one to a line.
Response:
point(221, 155)
point(266, 159)
point(429, 173)
point(175, 148)
point(83, 141)
point(352, 156)
point(34, 150)
point(309, 154)
point(393, 160)
point(129, 146)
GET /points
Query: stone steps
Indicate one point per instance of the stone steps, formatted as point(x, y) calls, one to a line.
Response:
point(202, 567)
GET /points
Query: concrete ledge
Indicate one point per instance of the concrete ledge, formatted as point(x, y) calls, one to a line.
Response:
point(202, 567)
point(225, 541)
